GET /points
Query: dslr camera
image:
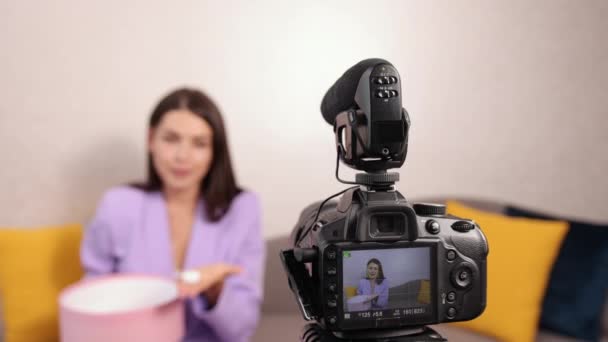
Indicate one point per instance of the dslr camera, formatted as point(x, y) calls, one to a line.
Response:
point(371, 266)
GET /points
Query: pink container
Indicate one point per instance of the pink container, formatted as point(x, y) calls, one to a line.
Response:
point(121, 308)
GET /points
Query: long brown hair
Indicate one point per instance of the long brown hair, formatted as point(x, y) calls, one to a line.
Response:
point(219, 187)
point(380, 278)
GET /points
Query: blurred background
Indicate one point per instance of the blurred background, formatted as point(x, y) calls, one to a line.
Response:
point(507, 99)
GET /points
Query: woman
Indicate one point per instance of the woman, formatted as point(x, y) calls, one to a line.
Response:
point(374, 285)
point(189, 215)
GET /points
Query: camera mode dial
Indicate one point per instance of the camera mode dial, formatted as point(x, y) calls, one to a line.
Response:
point(429, 209)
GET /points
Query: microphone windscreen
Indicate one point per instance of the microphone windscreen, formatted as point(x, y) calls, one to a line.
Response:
point(341, 95)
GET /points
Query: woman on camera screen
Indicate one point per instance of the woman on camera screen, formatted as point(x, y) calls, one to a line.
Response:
point(189, 214)
point(374, 285)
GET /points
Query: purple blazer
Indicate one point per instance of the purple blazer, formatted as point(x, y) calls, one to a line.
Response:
point(130, 233)
point(365, 288)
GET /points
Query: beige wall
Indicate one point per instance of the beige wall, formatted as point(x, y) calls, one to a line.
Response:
point(507, 98)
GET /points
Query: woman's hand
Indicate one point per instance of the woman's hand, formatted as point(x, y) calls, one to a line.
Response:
point(210, 283)
point(370, 298)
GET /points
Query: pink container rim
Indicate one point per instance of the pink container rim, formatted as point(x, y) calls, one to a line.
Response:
point(107, 278)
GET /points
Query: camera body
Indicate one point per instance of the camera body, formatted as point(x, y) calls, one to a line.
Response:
point(372, 266)
point(434, 265)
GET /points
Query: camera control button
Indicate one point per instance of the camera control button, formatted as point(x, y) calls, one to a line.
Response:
point(332, 287)
point(451, 255)
point(432, 227)
point(462, 226)
point(462, 276)
point(332, 303)
point(332, 320)
point(331, 255)
point(331, 271)
point(451, 313)
point(451, 297)
point(380, 94)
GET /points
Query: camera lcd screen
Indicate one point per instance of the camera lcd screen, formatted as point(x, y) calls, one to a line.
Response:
point(391, 283)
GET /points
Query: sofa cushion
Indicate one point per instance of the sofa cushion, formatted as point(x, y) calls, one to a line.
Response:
point(456, 334)
point(522, 251)
point(575, 296)
point(279, 327)
point(35, 265)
